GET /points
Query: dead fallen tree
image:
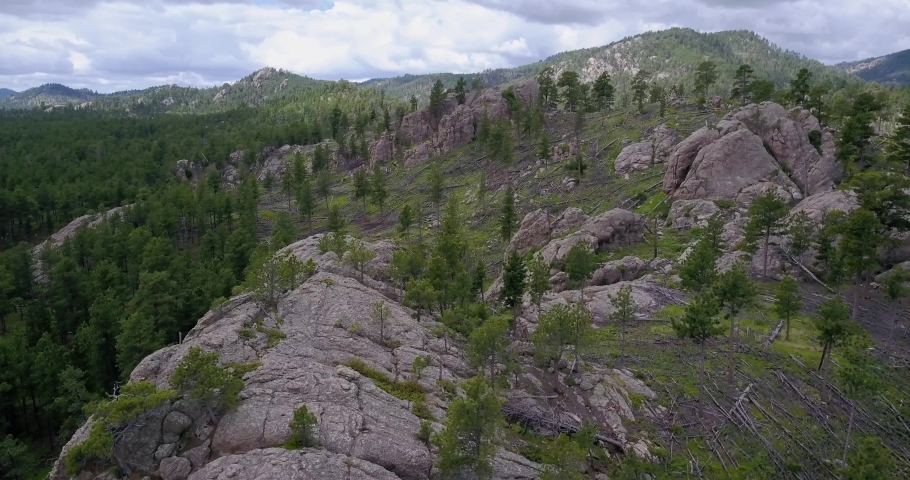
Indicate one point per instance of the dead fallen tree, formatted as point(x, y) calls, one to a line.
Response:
point(548, 424)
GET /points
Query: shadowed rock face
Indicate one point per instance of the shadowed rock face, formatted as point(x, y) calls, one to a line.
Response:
point(610, 230)
point(643, 155)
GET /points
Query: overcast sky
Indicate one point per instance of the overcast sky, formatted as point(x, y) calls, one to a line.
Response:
point(124, 44)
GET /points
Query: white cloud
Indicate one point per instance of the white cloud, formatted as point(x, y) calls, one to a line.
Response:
point(120, 44)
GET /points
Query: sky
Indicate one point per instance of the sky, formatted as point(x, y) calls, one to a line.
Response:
point(130, 44)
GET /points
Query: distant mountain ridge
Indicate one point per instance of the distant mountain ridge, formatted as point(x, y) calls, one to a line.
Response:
point(888, 69)
point(5, 92)
point(669, 55)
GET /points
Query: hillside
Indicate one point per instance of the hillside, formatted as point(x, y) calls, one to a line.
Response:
point(49, 94)
point(5, 92)
point(888, 69)
point(671, 55)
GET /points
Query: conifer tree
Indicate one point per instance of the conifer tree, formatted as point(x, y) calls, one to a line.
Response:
point(200, 377)
point(547, 92)
point(437, 188)
point(787, 302)
point(766, 219)
point(834, 327)
point(324, 186)
point(640, 89)
point(358, 255)
point(460, 90)
point(603, 92)
point(507, 216)
point(698, 270)
point(742, 83)
point(571, 92)
point(514, 281)
point(623, 313)
point(538, 280)
point(899, 142)
point(561, 329)
point(405, 219)
point(799, 87)
point(700, 324)
point(305, 202)
point(705, 77)
point(488, 346)
point(378, 189)
point(437, 96)
point(733, 292)
point(473, 428)
point(361, 186)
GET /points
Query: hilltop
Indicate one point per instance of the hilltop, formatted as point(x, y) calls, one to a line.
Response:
point(669, 55)
point(5, 92)
point(887, 69)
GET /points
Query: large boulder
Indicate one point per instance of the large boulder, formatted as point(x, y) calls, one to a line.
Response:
point(611, 230)
point(644, 155)
point(786, 133)
point(735, 167)
point(819, 205)
point(382, 150)
point(292, 464)
point(648, 295)
point(570, 219)
point(686, 214)
point(534, 232)
point(623, 270)
point(683, 156)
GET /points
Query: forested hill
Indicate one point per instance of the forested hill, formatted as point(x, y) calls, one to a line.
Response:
point(5, 92)
point(669, 55)
point(255, 89)
point(889, 69)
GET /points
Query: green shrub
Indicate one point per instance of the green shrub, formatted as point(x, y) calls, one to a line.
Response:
point(425, 433)
point(422, 411)
point(303, 429)
point(273, 334)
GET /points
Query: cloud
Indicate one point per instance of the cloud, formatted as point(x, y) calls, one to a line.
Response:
point(111, 45)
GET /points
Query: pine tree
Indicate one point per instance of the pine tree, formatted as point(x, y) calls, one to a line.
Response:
point(705, 77)
point(700, 324)
point(460, 90)
point(733, 292)
point(476, 84)
point(858, 247)
point(871, 461)
point(858, 377)
point(324, 186)
point(361, 186)
point(603, 92)
point(801, 231)
point(482, 192)
point(538, 280)
point(473, 428)
point(357, 256)
point(378, 189)
point(488, 346)
point(437, 96)
point(787, 302)
point(834, 327)
point(899, 141)
point(514, 281)
point(200, 377)
point(405, 219)
point(698, 270)
point(624, 308)
point(580, 263)
point(380, 315)
point(571, 90)
point(413, 103)
point(799, 87)
point(640, 89)
point(305, 202)
point(742, 83)
point(508, 217)
point(766, 219)
point(547, 92)
point(561, 329)
point(437, 189)
point(420, 295)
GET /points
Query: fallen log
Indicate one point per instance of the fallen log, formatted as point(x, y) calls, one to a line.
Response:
point(774, 334)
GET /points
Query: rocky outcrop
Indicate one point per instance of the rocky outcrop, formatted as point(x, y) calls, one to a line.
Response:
point(570, 219)
point(817, 206)
point(625, 269)
point(684, 155)
point(750, 151)
point(534, 232)
point(687, 214)
point(382, 150)
point(608, 231)
point(458, 124)
point(188, 171)
point(735, 167)
point(644, 155)
point(292, 464)
point(786, 133)
point(648, 295)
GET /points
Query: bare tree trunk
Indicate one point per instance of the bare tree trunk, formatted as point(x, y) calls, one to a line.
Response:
point(765, 266)
point(730, 356)
point(701, 384)
point(849, 429)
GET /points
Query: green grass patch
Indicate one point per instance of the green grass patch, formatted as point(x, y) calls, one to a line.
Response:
point(408, 390)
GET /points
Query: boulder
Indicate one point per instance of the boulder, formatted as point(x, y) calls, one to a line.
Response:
point(644, 155)
point(735, 167)
point(455, 129)
point(418, 155)
point(683, 156)
point(175, 423)
point(613, 229)
point(534, 232)
point(137, 444)
point(570, 219)
point(687, 214)
point(899, 269)
point(817, 206)
point(175, 468)
point(786, 133)
point(626, 269)
point(292, 464)
point(648, 296)
point(198, 456)
point(382, 150)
